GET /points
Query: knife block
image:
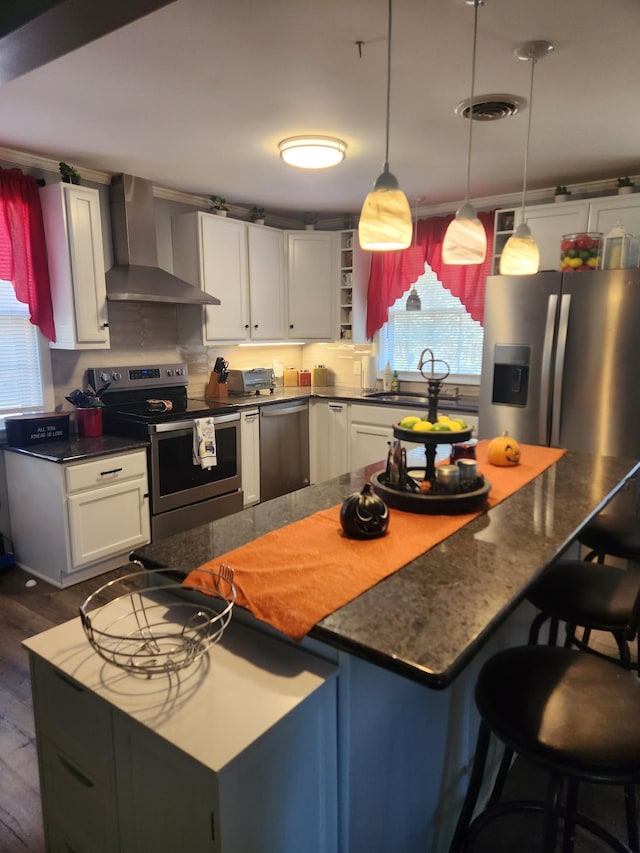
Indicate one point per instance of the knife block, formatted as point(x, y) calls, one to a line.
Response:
point(215, 389)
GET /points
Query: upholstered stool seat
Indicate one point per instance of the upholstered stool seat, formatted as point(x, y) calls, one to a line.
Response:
point(573, 714)
point(589, 595)
point(612, 535)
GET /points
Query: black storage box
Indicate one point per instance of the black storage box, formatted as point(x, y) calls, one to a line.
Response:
point(23, 430)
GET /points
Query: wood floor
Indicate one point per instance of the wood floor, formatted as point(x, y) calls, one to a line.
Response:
point(25, 611)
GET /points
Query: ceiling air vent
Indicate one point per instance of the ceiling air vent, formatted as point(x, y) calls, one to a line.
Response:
point(490, 107)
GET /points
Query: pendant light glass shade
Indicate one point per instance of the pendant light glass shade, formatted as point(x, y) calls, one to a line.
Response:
point(385, 220)
point(521, 255)
point(465, 241)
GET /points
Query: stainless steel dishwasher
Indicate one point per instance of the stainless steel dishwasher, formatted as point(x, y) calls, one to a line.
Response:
point(284, 448)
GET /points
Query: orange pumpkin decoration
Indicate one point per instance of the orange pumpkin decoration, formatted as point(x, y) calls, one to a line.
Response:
point(503, 451)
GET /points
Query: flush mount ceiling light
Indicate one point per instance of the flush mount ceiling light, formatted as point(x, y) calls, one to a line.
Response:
point(521, 255)
point(385, 219)
point(465, 241)
point(312, 152)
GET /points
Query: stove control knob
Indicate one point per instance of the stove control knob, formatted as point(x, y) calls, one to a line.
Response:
point(105, 377)
point(116, 376)
point(179, 371)
point(170, 372)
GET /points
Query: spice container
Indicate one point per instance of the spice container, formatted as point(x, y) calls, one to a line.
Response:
point(448, 476)
point(468, 469)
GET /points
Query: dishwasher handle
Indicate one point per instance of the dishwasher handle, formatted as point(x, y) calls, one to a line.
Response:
point(276, 412)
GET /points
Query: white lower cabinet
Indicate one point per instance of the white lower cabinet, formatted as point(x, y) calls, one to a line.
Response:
point(72, 521)
point(329, 439)
point(250, 456)
point(237, 754)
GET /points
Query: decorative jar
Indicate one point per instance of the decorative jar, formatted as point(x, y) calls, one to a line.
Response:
point(581, 252)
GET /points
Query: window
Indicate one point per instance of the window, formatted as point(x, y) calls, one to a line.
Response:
point(25, 369)
point(443, 325)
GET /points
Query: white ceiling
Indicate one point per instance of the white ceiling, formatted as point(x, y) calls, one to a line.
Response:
point(196, 96)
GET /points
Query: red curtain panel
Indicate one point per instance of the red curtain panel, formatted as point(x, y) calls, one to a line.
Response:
point(23, 254)
point(393, 273)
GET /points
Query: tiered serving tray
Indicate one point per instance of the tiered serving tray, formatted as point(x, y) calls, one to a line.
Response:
point(467, 498)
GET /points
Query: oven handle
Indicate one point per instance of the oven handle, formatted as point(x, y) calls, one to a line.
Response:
point(176, 426)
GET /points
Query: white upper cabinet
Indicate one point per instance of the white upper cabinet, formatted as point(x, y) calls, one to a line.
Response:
point(73, 232)
point(311, 267)
point(266, 283)
point(210, 252)
point(548, 222)
point(240, 264)
point(605, 213)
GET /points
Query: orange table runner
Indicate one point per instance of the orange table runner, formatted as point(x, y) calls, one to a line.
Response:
point(293, 577)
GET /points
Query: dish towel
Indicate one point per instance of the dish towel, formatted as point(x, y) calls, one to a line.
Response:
point(204, 443)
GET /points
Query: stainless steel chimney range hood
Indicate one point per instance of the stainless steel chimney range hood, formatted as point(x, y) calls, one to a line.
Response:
point(135, 275)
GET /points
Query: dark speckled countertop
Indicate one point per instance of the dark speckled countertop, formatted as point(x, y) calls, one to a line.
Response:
point(427, 620)
point(464, 402)
point(77, 449)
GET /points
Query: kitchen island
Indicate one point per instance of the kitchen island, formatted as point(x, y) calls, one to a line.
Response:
point(404, 655)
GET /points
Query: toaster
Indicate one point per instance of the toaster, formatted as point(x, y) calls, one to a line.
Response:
point(251, 381)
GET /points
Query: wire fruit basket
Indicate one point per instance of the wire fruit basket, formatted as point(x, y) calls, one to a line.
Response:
point(147, 622)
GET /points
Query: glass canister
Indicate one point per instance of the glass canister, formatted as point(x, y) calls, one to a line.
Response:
point(581, 252)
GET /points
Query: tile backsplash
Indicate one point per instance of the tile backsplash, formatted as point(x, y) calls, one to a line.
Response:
point(146, 332)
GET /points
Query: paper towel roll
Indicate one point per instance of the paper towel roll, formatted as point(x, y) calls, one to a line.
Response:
point(368, 373)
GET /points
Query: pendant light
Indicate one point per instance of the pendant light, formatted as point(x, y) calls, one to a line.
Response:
point(465, 241)
point(521, 255)
point(385, 219)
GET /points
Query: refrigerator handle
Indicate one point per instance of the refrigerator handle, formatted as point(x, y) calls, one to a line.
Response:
point(558, 373)
point(547, 349)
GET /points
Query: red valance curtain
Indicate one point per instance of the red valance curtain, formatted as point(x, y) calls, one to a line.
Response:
point(23, 254)
point(393, 273)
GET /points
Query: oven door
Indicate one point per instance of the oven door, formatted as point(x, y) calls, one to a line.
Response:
point(175, 480)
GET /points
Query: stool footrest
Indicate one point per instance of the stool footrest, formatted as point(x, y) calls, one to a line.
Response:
point(494, 812)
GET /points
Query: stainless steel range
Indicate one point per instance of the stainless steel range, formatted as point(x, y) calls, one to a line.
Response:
point(151, 402)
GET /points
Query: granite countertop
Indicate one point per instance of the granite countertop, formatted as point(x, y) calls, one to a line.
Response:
point(77, 449)
point(464, 402)
point(427, 620)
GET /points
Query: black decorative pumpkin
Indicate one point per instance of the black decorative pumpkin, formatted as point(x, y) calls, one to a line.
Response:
point(364, 515)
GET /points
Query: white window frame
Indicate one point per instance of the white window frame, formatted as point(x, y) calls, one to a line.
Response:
point(46, 376)
point(385, 355)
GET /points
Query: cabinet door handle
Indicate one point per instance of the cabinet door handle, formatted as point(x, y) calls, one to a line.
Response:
point(291, 325)
point(105, 325)
point(111, 471)
point(77, 774)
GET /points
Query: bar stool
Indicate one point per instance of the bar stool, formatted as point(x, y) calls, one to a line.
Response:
point(554, 707)
point(612, 535)
point(594, 596)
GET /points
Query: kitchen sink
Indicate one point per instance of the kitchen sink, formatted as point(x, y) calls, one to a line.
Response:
point(408, 398)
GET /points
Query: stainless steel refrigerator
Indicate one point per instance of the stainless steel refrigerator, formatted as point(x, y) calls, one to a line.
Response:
point(561, 360)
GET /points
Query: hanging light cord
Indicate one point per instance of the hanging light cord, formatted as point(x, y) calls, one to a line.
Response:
point(386, 153)
point(533, 60)
point(476, 4)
